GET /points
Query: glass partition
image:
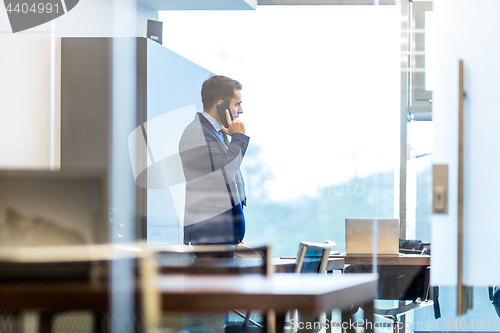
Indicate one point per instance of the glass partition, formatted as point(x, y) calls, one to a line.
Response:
point(321, 98)
point(321, 107)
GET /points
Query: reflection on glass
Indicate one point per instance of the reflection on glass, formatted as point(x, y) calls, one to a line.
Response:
point(321, 107)
point(419, 175)
point(481, 318)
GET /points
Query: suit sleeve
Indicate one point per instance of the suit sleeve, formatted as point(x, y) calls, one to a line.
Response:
point(230, 161)
point(202, 153)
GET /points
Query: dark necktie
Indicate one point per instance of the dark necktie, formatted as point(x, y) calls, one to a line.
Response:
point(239, 177)
point(224, 137)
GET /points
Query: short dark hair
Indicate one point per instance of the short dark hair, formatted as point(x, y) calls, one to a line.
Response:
point(218, 87)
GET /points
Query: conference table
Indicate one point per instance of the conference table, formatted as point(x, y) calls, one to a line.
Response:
point(311, 294)
point(280, 292)
point(396, 272)
point(390, 260)
point(286, 265)
point(241, 266)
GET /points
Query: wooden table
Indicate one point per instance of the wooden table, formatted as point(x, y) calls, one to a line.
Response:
point(241, 266)
point(309, 293)
point(401, 259)
point(287, 265)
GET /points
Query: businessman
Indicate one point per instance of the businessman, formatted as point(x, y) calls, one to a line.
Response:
point(211, 156)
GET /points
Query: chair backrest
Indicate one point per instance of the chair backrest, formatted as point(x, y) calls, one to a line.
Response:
point(214, 259)
point(313, 257)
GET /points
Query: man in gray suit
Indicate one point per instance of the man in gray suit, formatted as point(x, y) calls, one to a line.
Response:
point(215, 191)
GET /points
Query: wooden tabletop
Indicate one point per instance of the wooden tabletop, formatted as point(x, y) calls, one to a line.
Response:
point(241, 266)
point(279, 292)
point(54, 296)
point(287, 265)
point(401, 259)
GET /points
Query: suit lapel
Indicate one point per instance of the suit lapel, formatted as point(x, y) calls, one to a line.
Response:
point(212, 129)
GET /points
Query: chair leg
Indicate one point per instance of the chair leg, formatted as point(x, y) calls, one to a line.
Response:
point(329, 319)
point(247, 317)
point(347, 320)
point(45, 323)
point(279, 322)
point(395, 325)
point(18, 322)
point(401, 322)
point(98, 323)
point(368, 309)
point(293, 318)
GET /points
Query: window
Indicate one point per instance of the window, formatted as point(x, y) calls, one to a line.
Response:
point(321, 105)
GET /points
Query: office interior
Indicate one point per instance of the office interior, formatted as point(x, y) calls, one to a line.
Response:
point(378, 109)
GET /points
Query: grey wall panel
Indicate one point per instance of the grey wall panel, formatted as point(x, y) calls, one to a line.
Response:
point(85, 102)
point(86, 95)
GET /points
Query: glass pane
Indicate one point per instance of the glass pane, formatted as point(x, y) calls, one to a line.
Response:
point(419, 180)
point(481, 318)
point(430, 51)
point(321, 106)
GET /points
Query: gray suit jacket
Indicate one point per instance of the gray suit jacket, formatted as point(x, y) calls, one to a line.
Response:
point(213, 212)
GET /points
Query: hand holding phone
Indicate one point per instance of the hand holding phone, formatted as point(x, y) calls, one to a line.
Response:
point(235, 126)
point(221, 108)
point(230, 125)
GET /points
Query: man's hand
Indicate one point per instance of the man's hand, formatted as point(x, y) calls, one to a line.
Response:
point(235, 126)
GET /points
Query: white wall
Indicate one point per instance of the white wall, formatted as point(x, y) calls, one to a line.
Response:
point(469, 31)
point(29, 108)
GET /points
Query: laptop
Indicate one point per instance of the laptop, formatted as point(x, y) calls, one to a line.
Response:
point(359, 236)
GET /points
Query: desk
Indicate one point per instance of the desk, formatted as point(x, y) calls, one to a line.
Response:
point(54, 296)
point(240, 266)
point(397, 273)
point(287, 265)
point(402, 259)
point(309, 293)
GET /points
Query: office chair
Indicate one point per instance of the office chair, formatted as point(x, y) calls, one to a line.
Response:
point(407, 284)
point(215, 260)
point(412, 286)
point(312, 258)
point(404, 283)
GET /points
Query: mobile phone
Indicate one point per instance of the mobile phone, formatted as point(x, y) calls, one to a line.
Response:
point(221, 108)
